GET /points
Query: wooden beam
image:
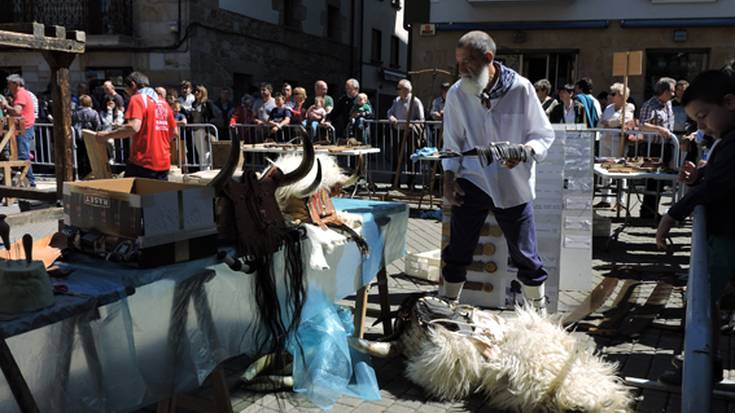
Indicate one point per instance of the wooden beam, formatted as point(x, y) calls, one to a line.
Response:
point(42, 43)
point(58, 32)
point(28, 193)
point(76, 35)
point(35, 29)
point(61, 95)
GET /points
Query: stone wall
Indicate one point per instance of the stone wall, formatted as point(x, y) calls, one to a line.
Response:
point(224, 43)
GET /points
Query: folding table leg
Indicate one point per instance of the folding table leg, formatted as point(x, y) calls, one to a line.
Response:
point(384, 302)
point(361, 310)
point(17, 383)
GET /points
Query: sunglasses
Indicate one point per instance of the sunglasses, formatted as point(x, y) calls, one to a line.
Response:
point(614, 94)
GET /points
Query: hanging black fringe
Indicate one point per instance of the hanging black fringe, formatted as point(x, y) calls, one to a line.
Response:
point(278, 324)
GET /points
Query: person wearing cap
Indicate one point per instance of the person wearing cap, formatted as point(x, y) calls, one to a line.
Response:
point(151, 126)
point(23, 107)
point(491, 103)
point(570, 110)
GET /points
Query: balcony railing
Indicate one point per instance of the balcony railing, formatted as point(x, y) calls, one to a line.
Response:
point(91, 16)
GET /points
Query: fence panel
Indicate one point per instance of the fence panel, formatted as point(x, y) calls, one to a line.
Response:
point(388, 135)
point(696, 391)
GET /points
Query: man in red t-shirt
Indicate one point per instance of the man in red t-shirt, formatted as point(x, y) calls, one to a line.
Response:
point(151, 124)
point(22, 106)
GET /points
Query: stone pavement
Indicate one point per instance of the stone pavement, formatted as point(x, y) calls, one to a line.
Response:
point(646, 355)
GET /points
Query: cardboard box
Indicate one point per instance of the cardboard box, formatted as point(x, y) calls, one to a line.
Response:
point(150, 211)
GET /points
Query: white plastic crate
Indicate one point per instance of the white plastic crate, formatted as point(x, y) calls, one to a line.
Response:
point(424, 265)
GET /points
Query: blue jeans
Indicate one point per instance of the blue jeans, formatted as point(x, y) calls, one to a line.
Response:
point(25, 140)
point(517, 224)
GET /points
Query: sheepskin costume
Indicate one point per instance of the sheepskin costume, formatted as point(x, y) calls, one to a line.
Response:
point(320, 241)
point(528, 363)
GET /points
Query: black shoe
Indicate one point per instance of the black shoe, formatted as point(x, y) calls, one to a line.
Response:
point(675, 375)
point(602, 204)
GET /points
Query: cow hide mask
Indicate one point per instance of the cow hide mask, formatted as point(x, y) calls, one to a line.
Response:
point(249, 215)
point(309, 202)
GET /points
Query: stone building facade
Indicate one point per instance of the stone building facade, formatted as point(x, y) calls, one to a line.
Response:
point(222, 43)
point(567, 40)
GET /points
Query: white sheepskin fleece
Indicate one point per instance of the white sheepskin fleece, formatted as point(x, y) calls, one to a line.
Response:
point(525, 364)
point(331, 175)
point(445, 366)
point(542, 367)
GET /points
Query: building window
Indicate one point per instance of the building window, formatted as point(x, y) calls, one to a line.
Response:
point(333, 19)
point(676, 63)
point(395, 52)
point(376, 48)
point(289, 14)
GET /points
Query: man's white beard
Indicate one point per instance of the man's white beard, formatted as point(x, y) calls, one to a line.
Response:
point(475, 84)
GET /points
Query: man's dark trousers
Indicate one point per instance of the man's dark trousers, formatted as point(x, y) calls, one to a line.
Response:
point(518, 228)
point(135, 171)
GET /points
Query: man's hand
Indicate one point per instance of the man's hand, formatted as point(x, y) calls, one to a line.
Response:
point(393, 119)
point(688, 173)
point(512, 163)
point(664, 133)
point(664, 227)
point(453, 193)
point(689, 142)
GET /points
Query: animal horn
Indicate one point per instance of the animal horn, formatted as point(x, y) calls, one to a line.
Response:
point(356, 174)
point(226, 172)
point(267, 170)
point(374, 348)
point(306, 162)
point(314, 185)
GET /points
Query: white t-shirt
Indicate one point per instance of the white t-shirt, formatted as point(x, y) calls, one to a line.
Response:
point(570, 115)
point(610, 142)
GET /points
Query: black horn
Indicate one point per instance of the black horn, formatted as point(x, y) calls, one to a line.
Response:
point(226, 172)
point(306, 162)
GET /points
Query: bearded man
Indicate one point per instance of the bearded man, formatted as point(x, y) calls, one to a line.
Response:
point(492, 103)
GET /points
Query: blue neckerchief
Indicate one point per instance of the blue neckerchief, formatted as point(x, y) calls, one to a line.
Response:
point(506, 78)
point(149, 92)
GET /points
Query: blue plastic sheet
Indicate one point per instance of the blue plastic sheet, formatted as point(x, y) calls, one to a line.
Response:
point(325, 367)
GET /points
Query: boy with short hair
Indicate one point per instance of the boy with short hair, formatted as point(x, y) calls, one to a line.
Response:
point(280, 116)
point(710, 100)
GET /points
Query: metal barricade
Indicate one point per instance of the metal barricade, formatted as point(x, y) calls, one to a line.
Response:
point(197, 140)
point(252, 134)
point(44, 163)
point(388, 135)
point(696, 391)
point(650, 139)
